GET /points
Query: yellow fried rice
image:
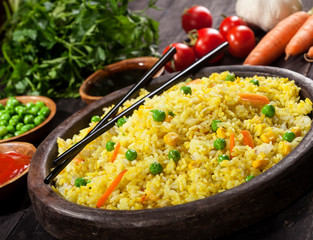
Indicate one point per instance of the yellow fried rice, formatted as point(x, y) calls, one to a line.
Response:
point(198, 173)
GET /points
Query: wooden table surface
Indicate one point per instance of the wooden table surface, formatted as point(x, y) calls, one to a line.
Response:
point(17, 218)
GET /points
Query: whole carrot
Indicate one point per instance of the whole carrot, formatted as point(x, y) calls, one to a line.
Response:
point(273, 44)
point(302, 40)
point(309, 55)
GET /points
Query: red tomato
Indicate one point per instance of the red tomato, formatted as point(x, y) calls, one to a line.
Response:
point(196, 17)
point(241, 41)
point(182, 59)
point(208, 39)
point(230, 22)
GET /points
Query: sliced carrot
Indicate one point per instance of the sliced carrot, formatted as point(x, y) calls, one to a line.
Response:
point(114, 155)
point(273, 44)
point(212, 85)
point(78, 160)
point(231, 144)
point(302, 40)
point(110, 189)
point(255, 98)
point(309, 55)
point(143, 198)
point(196, 81)
point(247, 139)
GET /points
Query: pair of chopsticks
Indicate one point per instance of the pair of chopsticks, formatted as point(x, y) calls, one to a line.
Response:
point(64, 159)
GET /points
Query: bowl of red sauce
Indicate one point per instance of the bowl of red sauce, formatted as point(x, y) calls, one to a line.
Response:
point(15, 158)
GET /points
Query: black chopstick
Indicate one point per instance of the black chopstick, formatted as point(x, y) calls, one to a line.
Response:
point(134, 90)
point(74, 150)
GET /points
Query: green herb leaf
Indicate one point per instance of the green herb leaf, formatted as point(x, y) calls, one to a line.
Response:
point(50, 47)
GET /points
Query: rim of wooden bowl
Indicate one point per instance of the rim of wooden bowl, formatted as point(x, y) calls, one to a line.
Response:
point(26, 99)
point(127, 64)
point(18, 147)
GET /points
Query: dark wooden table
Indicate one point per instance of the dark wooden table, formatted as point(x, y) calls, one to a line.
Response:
point(17, 218)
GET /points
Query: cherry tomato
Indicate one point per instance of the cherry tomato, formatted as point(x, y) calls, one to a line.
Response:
point(208, 39)
point(230, 22)
point(241, 41)
point(196, 17)
point(183, 57)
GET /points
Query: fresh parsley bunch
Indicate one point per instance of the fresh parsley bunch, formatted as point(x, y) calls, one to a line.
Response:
point(50, 47)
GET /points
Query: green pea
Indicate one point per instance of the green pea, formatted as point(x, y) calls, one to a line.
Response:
point(10, 110)
point(1, 106)
point(17, 117)
point(11, 129)
point(289, 136)
point(39, 120)
point(4, 123)
point(268, 110)
point(40, 104)
point(13, 122)
point(5, 117)
point(219, 144)
point(110, 146)
point(249, 177)
point(174, 154)
point(255, 82)
point(27, 127)
point(19, 126)
point(230, 77)
point(2, 112)
point(214, 125)
point(3, 131)
point(158, 115)
point(80, 182)
point(155, 168)
point(222, 158)
point(21, 110)
point(121, 122)
point(34, 110)
point(17, 133)
point(12, 101)
point(186, 90)
point(28, 119)
point(131, 154)
point(29, 105)
point(8, 135)
point(44, 111)
point(95, 118)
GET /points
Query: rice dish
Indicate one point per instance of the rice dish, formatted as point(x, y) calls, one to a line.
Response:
point(197, 139)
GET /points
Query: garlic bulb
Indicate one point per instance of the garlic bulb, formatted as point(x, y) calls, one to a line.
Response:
point(266, 13)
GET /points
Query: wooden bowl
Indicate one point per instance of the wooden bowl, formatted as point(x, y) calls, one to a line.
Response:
point(99, 79)
point(7, 188)
point(211, 217)
point(38, 131)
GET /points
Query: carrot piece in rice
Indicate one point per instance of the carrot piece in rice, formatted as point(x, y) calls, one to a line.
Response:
point(255, 98)
point(114, 155)
point(231, 143)
point(247, 139)
point(110, 189)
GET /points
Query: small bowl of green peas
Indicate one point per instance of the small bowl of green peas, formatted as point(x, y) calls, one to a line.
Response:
point(22, 116)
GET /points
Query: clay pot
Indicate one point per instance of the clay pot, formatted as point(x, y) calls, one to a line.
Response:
point(207, 218)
